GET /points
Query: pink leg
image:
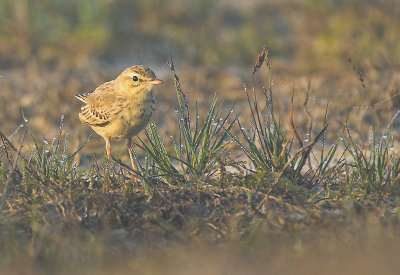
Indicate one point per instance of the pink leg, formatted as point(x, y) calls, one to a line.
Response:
point(108, 148)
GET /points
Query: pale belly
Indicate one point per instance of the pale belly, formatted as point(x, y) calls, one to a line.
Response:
point(130, 122)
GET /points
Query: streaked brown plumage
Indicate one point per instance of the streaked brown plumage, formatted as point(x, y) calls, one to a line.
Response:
point(121, 108)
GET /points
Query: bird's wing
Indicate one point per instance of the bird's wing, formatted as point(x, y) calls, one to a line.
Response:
point(103, 88)
point(100, 106)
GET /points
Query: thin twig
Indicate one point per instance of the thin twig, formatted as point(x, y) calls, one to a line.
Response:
point(179, 89)
point(10, 176)
point(292, 122)
point(310, 120)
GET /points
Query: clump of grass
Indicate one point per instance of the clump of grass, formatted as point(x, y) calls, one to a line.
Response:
point(52, 158)
point(198, 146)
point(36, 177)
point(268, 146)
point(375, 170)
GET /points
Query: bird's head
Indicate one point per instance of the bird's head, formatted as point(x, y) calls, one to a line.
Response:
point(136, 78)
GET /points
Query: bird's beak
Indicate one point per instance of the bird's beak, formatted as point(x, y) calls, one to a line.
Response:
point(155, 82)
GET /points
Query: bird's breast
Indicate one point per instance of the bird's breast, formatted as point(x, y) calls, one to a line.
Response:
point(139, 112)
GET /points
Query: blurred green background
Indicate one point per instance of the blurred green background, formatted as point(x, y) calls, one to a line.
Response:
point(53, 49)
point(308, 35)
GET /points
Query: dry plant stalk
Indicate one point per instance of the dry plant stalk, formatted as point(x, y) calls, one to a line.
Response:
point(179, 88)
point(260, 60)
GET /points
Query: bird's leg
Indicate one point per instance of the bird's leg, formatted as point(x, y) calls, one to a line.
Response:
point(106, 184)
point(128, 145)
point(108, 148)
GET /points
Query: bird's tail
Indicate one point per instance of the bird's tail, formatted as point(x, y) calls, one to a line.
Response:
point(81, 97)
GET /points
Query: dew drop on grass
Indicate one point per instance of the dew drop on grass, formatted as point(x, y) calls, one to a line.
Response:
point(307, 138)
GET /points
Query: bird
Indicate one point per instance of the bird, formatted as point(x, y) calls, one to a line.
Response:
point(121, 108)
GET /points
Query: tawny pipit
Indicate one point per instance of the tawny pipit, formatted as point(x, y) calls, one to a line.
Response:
point(121, 108)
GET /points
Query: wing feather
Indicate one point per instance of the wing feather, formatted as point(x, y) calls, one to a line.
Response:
point(100, 106)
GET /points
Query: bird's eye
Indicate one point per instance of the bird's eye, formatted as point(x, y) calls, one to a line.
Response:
point(135, 78)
